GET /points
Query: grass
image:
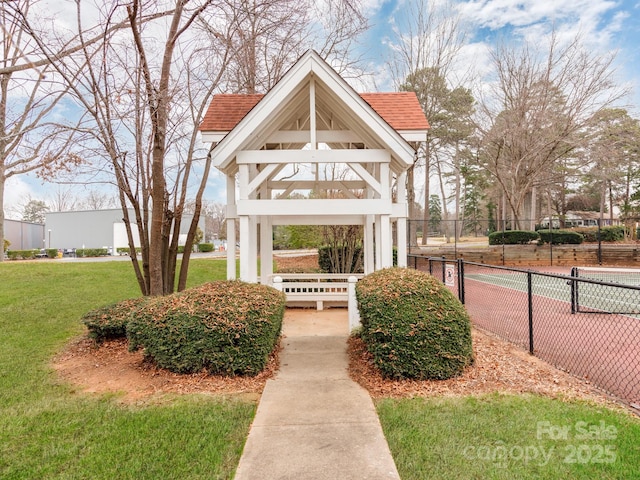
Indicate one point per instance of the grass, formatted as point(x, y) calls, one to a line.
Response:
point(509, 437)
point(47, 432)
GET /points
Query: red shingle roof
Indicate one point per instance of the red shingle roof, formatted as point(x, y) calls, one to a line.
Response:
point(226, 111)
point(401, 110)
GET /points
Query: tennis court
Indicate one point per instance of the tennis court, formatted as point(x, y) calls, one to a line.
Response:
point(600, 341)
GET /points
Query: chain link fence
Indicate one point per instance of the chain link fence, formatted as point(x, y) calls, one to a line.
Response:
point(587, 327)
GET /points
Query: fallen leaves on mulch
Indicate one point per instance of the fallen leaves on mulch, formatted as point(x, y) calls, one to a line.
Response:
point(296, 262)
point(499, 367)
point(110, 368)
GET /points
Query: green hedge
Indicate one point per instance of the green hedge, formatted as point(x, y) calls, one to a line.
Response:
point(205, 247)
point(111, 321)
point(325, 253)
point(125, 250)
point(22, 254)
point(607, 234)
point(512, 237)
point(413, 325)
point(560, 237)
point(225, 327)
point(52, 252)
point(92, 252)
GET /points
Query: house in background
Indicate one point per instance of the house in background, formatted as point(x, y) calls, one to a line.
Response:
point(95, 229)
point(580, 219)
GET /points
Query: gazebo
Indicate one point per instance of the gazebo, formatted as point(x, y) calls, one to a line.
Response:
point(275, 145)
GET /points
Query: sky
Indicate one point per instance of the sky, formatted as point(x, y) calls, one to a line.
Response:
point(605, 26)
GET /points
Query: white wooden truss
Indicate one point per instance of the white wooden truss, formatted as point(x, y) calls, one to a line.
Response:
point(312, 133)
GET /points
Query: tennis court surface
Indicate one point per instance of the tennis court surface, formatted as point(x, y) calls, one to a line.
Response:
point(583, 325)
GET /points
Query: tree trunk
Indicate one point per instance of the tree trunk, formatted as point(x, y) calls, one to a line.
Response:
point(2, 182)
point(191, 234)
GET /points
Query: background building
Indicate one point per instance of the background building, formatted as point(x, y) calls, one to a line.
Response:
point(95, 229)
point(24, 235)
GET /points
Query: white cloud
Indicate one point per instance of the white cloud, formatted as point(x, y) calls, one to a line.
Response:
point(17, 192)
point(496, 14)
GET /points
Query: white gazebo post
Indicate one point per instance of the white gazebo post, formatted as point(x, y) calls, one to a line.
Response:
point(231, 227)
point(354, 313)
point(386, 243)
point(401, 223)
point(369, 258)
point(266, 249)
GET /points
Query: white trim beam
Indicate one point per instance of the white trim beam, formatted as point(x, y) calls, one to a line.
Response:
point(322, 136)
point(254, 157)
point(322, 184)
point(320, 207)
point(325, 220)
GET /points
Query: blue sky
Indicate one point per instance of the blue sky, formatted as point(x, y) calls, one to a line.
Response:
point(606, 25)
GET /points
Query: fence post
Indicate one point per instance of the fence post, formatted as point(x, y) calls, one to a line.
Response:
point(599, 244)
point(574, 291)
point(461, 280)
point(530, 295)
point(354, 314)
point(277, 283)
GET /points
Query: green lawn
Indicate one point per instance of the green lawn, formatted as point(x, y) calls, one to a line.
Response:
point(510, 437)
point(47, 432)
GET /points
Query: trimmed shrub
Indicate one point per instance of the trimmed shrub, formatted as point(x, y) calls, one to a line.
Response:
point(92, 252)
point(226, 327)
point(52, 253)
point(205, 247)
point(126, 250)
point(111, 321)
point(326, 253)
point(607, 234)
point(22, 254)
point(560, 237)
point(512, 237)
point(413, 326)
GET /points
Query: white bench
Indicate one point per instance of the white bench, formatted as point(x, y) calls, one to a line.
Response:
point(337, 289)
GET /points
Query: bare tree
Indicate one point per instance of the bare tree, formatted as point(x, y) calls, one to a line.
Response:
point(215, 216)
point(425, 50)
point(613, 152)
point(30, 135)
point(62, 200)
point(270, 35)
point(540, 104)
point(144, 90)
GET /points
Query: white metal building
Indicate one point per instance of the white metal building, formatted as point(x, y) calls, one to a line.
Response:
point(92, 229)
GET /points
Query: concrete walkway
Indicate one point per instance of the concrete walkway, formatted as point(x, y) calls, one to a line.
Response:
point(313, 422)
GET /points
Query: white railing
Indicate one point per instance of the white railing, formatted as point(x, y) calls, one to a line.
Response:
point(320, 288)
